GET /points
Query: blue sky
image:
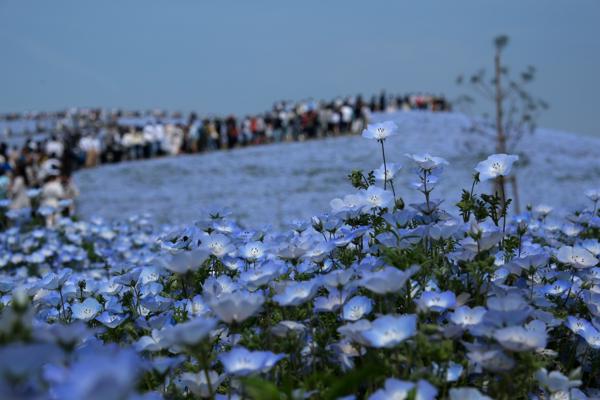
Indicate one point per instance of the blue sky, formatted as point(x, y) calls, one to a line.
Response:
point(240, 56)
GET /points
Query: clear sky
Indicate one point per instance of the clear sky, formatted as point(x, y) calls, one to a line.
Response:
point(240, 56)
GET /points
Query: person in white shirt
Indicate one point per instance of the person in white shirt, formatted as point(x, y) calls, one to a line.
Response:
point(52, 194)
point(55, 146)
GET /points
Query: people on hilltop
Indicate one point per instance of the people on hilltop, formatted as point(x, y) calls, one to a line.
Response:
point(43, 150)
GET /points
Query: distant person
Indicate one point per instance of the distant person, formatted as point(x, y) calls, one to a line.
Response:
point(18, 189)
point(4, 183)
point(52, 193)
point(70, 192)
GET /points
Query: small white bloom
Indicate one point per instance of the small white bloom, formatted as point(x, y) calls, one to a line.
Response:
point(356, 308)
point(495, 165)
point(576, 256)
point(427, 161)
point(380, 131)
point(87, 310)
point(377, 197)
point(382, 173)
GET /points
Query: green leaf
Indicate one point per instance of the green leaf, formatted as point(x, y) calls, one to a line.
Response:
point(261, 389)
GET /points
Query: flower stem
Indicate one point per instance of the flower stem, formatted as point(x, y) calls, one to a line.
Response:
point(384, 165)
point(504, 207)
point(393, 190)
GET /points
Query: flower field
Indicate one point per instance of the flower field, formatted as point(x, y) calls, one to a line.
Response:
point(281, 182)
point(392, 293)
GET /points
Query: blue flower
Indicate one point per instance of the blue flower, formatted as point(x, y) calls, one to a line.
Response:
point(398, 389)
point(577, 257)
point(388, 331)
point(239, 361)
point(532, 336)
point(356, 308)
point(386, 280)
point(466, 317)
point(426, 161)
point(87, 310)
point(295, 293)
point(189, 333)
point(376, 197)
point(237, 306)
point(495, 166)
point(380, 131)
point(436, 301)
point(110, 320)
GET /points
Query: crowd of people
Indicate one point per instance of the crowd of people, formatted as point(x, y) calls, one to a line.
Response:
point(41, 150)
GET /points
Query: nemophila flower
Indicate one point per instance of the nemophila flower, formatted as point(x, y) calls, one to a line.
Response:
point(110, 320)
point(353, 331)
point(334, 300)
point(225, 226)
point(155, 342)
point(388, 331)
point(262, 274)
point(528, 261)
point(523, 338)
point(592, 337)
point(356, 308)
point(427, 161)
point(593, 195)
point(466, 393)
point(252, 251)
point(218, 245)
point(495, 166)
point(233, 263)
point(347, 235)
point(577, 257)
point(382, 173)
point(380, 131)
point(186, 261)
point(189, 333)
point(214, 287)
point(542, 210)
point(579, 326)
point(571, 230)
point(387, 280)
point(86, 310)
point(285, 328)
point(453, 371)
point(148, 275)
point(349, 203)
point(109, 287)
point(436, 301)
point(196, 306)
point(295, 293)
point(400, 390)
point(555, 381)
point(337, 278)
point(556, 288)
point(375, 197)
point(101, 373)
point(511, 309)
point(466, 317)
point(197, 383)
point(66, 336)
point(53, 281)
point(499, 276)
point(591, 245)
point(237, 306)
point(239, 361)
point(319, 251)
point(490, 358)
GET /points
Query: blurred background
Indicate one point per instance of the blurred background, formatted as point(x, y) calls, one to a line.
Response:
point(133, 65)
point(239, 57)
